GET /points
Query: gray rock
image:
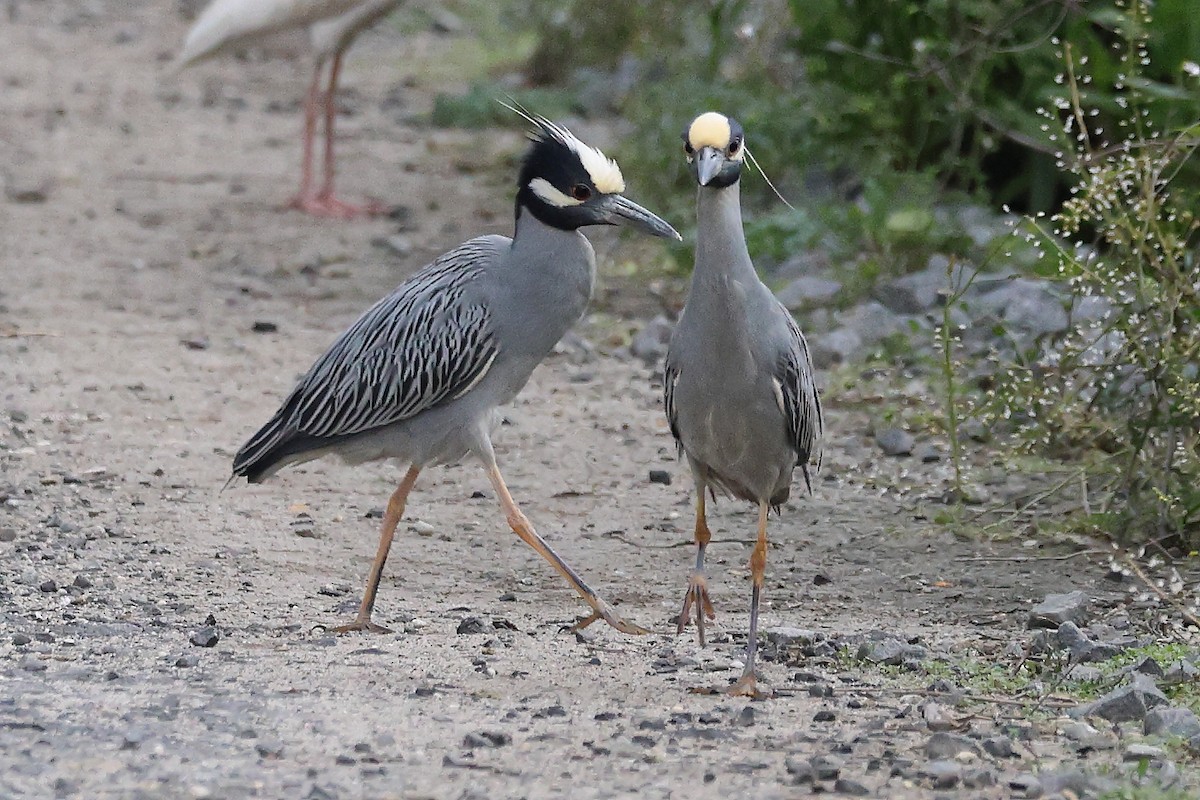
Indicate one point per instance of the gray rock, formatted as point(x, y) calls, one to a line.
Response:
point(1059, 608)
point(890, 651)
point(873, 322)
point(784, 637)
point(8, 535)
point(1172, 721)
point(808, 291)
point(838, 346)
point(944, 774)
point(1181, 672)
point(1024, 304)
point(946, 746)
point(1026, 785)
point(851, 788)
point(1069, 637)
point(798, 766)
point(913, 294)
point(1125, 703)
point(27, 189)
point(1075, 781)
point(650, 343)
point(826, 768)
point(895, 441)
point(999, 747)
point(486, 739)
point(1082, 672)
point(1091, 308)
point(978, 778)
point(474, 625)
point(207, 636)
point(660, 476)
point(1101, 651)
point(1142, 752)
point(1147, 666)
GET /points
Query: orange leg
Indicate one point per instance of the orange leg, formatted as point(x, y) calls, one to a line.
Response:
point(524, 529)
point(391, 518)
point(748, 683)
point(697, 591)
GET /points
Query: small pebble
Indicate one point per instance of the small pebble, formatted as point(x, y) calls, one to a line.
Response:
point(660, 476)
point(205, 637)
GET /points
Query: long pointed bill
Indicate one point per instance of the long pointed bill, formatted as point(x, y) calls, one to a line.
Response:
point(617, 210)
point(708, 164)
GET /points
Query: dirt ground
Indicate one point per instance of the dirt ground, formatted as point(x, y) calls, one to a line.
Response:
point(142, 241)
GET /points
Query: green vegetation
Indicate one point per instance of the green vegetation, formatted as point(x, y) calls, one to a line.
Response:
point(899, 129)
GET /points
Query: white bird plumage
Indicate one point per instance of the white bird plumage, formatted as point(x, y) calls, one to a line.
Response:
point(332, 27)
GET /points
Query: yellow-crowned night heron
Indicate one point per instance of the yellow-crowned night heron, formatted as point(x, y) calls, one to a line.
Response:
point(332, 26)
point(420, 375)
point(740, 392)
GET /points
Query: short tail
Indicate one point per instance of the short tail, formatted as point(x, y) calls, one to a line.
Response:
point(259, 457)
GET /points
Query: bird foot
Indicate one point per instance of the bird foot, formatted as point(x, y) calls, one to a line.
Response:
point(329, 206)
point(604, 612)
point(361, 625)
point(746, 686)
point(697, 595)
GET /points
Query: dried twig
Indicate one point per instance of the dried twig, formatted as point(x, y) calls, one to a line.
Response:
point(1136, 568)
point(1021, 559)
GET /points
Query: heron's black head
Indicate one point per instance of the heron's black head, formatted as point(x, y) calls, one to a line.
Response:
point(715, 146)
point(568, 184)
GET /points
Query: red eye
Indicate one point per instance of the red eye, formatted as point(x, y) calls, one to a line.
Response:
point(581, 192)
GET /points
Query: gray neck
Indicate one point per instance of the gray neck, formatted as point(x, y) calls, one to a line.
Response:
point(537, 240)
point(720, 241)
point(552, 273)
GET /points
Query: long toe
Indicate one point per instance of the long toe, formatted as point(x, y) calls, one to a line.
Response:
point(331, 207)
point(696, 597)
point(612, 619)
point(361, 625)
point(747, 686)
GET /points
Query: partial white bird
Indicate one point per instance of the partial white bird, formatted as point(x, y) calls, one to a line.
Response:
point(332, 26)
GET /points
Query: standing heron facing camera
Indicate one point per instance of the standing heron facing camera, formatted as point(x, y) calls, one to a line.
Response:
point(740, 391)
point(420, 376)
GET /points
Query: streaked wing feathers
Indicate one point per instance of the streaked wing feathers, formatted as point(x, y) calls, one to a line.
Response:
point(421, 345)
point(801, 403)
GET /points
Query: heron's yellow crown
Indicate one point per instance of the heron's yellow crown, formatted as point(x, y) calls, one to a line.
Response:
point(710, 129)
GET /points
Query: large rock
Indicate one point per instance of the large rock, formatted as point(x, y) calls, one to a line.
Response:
point(1172, 721)
point(915, 293)
point(650, 343)
point(1126, 703)
point(839, 346)
point(1027, 305)
point(808, 291)
point(873, 322)
point(1059, 608)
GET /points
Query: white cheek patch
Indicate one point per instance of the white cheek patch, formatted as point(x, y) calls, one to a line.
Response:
point(546, 191)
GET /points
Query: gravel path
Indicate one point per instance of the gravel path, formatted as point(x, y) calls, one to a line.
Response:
point(161, 638)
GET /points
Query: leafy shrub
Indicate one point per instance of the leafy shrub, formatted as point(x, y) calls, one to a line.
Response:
point(1124, 381)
